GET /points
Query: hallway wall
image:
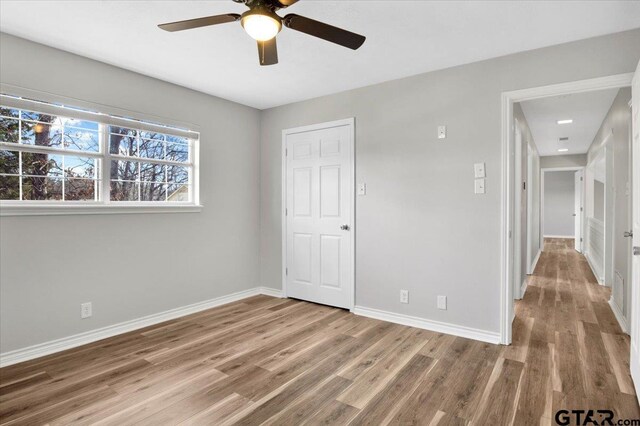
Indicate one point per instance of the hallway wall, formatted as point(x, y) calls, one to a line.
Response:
point(615, 131)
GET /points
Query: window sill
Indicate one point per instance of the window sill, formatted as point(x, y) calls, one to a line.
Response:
point(79, 209)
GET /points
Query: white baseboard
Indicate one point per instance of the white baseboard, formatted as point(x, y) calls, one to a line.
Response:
point(617, 311)
point(53, 346)
point(535, 262)
point(523, 287)
point(437, 326)
point(593, 269)
point(571, 237)
point(268, 291)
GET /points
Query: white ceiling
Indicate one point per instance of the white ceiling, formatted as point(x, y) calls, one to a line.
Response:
point(403, 38)
point(587, 110)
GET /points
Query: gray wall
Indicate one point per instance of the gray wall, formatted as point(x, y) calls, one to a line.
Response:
point(420, 227)
point(559, 204)
point(616, 127)
point(129, 266)
point(551, 161)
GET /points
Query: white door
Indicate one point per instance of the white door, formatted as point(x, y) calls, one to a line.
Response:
point(319, 224)
point(635, 259)
point(577, 210)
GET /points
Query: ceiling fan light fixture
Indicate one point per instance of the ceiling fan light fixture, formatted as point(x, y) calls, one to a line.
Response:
point(261, 24)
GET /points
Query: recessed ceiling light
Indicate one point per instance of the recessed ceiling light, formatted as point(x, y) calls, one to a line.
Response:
point(569, 121)
point(563, 150)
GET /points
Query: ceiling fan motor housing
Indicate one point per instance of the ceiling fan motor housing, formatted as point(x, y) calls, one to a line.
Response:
point(261, 22)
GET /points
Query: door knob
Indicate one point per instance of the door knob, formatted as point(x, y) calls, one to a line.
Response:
point(344, 227)
point(628, 234)
point(574, 215)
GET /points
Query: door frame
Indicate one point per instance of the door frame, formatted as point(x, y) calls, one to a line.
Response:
point(542, 177)
point(508, 250)
point(352, 196)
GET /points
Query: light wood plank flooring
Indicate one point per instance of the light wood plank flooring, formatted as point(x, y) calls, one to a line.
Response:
point(284, 362)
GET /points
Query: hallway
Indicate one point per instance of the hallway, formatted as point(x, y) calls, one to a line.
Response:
point(572, 346)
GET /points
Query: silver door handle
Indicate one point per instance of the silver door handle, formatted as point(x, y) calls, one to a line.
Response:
point(636, 251)
point(574, 215)
point(628, 234)
point(344, 227)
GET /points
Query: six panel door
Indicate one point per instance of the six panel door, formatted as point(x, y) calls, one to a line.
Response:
point(318, 216)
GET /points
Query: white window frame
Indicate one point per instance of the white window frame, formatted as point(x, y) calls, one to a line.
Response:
point(105, 119)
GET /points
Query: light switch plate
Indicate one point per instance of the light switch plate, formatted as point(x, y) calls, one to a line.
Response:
point(442, 302)
point(442, 132)
point(478, 169)
point(362, 189)
point(479, 186)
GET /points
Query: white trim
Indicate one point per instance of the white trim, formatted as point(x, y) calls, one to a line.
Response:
point(619, 315)
point(344, 122)
point(535, 262)
point(523, 287)
point(273, 292)
point(437, 326)
point(507, 252)
point(599, 278)
point(570, 237)
point(78, 209)
point(69, 342)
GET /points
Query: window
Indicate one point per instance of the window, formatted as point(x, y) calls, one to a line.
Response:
point(83, 158)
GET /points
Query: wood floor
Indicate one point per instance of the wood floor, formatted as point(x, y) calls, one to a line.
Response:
point(284, 362)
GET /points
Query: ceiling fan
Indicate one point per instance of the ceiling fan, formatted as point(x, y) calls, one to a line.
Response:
point(262, 23)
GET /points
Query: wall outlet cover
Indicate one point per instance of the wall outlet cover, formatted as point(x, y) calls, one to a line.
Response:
point(442, 132)
point(442, 302)
point(404, 296)
point(86, 310)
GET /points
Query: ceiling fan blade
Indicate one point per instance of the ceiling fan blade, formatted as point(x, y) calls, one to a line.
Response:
point(324, 31)
point(268, 52)
point(199, 22)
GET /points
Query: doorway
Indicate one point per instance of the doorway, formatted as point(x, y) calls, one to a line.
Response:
point(318, 213)
point(561, 203)
point(511, 172)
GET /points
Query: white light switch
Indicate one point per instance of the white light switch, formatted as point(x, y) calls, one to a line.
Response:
point(479, 186)
point(442, 302)
point(442, 132)
point(362, 189)
point(478, 168)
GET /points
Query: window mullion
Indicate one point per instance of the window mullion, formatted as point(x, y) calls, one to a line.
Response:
point(105, 169)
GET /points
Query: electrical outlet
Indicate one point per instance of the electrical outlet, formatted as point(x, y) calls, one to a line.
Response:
point(404, 296)
point(362, 189)
point(442, 302)
point(442, 132)
point(86, 310)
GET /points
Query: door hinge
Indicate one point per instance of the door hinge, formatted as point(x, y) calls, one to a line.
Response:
point(286, 152)
point(286, 212)
point(580, 239)
point(580, 208)
point(524, 186)
point(286, 271)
